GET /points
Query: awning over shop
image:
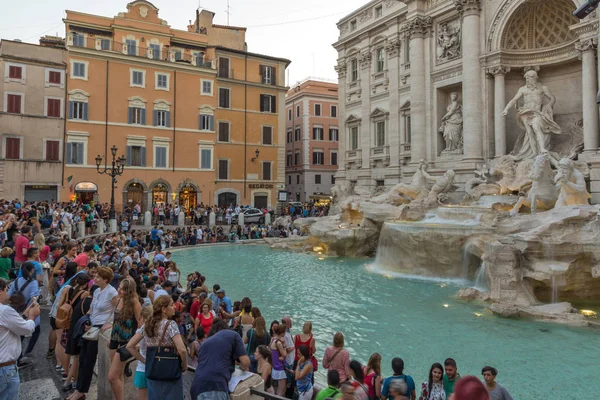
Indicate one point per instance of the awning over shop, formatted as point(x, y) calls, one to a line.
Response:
point(86, 187)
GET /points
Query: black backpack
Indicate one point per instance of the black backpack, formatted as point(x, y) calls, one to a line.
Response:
point(17, 300)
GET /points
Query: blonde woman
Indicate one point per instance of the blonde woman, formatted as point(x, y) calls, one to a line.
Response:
point(126, 321)
point(39, 242)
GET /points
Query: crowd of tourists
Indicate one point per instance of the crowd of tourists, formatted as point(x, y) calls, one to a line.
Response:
point(110, 283)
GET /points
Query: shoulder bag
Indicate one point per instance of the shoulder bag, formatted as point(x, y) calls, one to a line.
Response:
point(163, 362)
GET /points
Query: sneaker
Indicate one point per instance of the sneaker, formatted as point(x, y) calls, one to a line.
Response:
point(68, 386)
point(58, 367)
point(50, 354)
point(64, 376)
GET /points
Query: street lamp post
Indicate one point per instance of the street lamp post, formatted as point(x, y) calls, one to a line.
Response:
point(118, 165)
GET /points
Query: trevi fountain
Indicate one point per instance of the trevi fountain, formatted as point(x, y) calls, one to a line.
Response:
point(521, 230)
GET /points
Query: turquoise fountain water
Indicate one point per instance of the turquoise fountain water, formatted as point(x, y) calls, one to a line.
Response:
point(417, 320)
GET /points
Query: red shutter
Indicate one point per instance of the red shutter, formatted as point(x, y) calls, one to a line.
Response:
point(54, 108)
point(54, 77)
point(15, 72)
point(52, 150)
point(14, 103)
point(13, 148)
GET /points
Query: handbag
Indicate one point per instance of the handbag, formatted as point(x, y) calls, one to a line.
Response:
point(249, 341)
point(163, 363)
point(92, 334)
point(124, 354)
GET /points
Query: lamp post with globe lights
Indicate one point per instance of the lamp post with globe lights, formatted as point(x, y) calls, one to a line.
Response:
point(117, 168)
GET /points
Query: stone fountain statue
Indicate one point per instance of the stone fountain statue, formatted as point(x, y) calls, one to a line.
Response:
point(452, 126)
point(543, 194)
point(571, 184)
point(442, 185)
point(416, 190)
point(535, 117)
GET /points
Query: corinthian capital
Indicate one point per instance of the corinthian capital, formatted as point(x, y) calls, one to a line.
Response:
point(468, 6)
point(586, 45)
point(498, 70)
point(419, 26)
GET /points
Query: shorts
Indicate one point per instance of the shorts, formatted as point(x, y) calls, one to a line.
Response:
point(139, 380)
point(277, 375)
point(114, 344)
point(53, 323)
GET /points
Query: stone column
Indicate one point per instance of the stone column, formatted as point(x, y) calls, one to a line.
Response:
point(471, 85)
point(589, 85)
point(418, 28)
point(499, 103)
point(393, 131)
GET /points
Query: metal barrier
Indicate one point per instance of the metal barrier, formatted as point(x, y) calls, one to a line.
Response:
point(266, 395)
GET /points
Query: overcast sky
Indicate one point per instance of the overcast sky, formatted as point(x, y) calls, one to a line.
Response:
point(301, 31)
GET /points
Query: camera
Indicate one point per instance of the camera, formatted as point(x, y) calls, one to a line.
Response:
point(585, 9)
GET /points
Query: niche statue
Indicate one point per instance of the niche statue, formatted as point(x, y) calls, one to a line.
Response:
point(452, 125)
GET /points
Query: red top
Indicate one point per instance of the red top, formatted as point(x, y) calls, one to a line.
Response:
point(44, 253)
point(21, 243)
point(206, 323)
point(298, 343)
point(81, 260)
point(195, 309)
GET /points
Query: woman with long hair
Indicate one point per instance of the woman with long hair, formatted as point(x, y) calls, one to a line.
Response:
point(306, 338)
point(373, 378)
point(303, 374)
point(127, 318)
point(273, 328)
point(246, 318)
point(338, 358)
point(80, 301)
point(159, 330)
point(361, 392)
point(205, 317)
point(173, 274)
point(433, 387)
point(278, 353)
point(257, 336)
point(262, 355)
point(39, 241)
point(58, 271)
point(104, 301)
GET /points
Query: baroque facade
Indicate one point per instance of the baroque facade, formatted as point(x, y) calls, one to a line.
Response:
point(429, 80)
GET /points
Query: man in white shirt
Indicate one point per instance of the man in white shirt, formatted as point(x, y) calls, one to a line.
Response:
point(12, 327)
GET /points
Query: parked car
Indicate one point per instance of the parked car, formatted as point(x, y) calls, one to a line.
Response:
point(251, 216)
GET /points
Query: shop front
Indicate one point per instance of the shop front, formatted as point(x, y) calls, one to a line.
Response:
point(40, 193)
point(134, 195)
point(86, 192)
point(188, 197)
point(320, 200)
point(160, 194)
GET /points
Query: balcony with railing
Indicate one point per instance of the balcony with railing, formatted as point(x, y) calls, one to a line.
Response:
point(133, 49)
point(354, 158)
point(381, 155)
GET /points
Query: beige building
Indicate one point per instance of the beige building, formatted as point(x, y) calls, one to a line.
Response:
point(32, 124)
point(312, 136)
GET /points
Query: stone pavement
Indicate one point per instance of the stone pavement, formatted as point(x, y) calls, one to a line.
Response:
point(40, 381)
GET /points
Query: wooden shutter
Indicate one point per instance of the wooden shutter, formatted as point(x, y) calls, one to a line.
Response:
point(142, 156)
point(223, 166)
point(333, 158)
point(14, 103)
point(261, 69)
point(223, 132)
point(273, 76)
point(52, 150)
point(69, 153)
point(130, 118)
point(54, 77)
point(266, 139)
point(143, 115)
point(155, 118)
point(13, 148)
point(273, 104)
point(53, 108)
point(15, 72)
point(128, 155)
point(262, 102)
point(80, 155)
point(223, 67)
point(314, 158)
point(85, 111)
point(211, 123)
point(168, 113)
point(266, 171)
point(71, 109)
point(314, 133)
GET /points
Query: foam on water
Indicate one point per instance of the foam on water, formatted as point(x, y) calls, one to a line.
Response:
point(377, 269)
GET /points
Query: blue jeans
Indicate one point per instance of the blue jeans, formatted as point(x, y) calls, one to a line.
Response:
point(9, 382)
point(213, 396)
point(161, 390)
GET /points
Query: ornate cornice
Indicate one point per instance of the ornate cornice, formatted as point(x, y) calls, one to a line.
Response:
point(447, 73)
point(466, 7)
point(419, 26)
point(498, 70)
point(517, 59)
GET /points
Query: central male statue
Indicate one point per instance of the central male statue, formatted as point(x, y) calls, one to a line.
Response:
point(535, 116)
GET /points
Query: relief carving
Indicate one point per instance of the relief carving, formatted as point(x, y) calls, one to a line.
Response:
point(448, 41)
point(365, 59)
point(393, 48)
point(419, 26)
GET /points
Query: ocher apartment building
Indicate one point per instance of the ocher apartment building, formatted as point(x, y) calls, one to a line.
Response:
point(197, 116)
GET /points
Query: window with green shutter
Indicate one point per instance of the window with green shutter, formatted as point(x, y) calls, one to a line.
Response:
point(160, 157)
point(205, 159)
